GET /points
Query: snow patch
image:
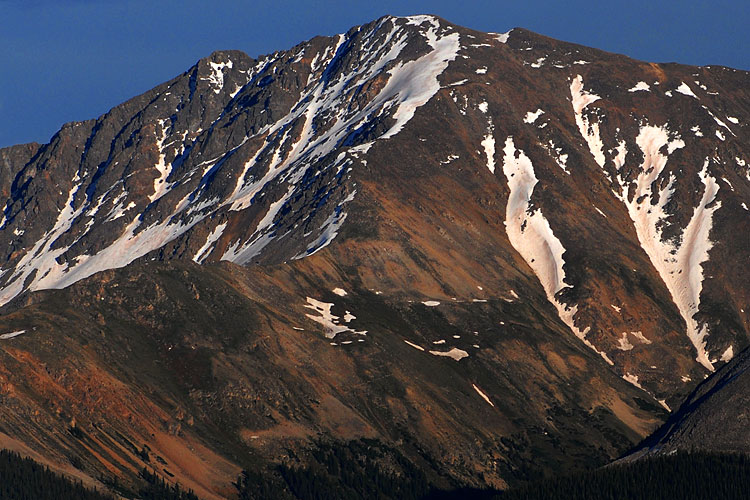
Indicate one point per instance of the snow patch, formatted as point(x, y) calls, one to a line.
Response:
point(204, 251)
point(216, 78)
point(728, 354)
point(623, 344)
point(677, 262)
point(455, 353)
point(488, 143)
point(590, 131)
point(531, 235)
point(503, 37)
point(684, 89)
point(640, 86)
point(327, 319)
point(431, 303)
point(415, 346)
point(532, 116)
point(340, 292)
point(557, 154)
point(484, 396)
point(633, 379)
point(6, 336)
point(639, 335)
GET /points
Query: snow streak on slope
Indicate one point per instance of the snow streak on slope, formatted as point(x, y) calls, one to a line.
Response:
point(532, 237)
point(678, 262)
point(590, 131)
point(408, 87)
point(328, 114)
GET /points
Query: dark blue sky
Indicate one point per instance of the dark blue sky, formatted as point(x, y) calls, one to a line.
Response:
point(67, 60)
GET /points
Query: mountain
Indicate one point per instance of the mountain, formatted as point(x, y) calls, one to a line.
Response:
point(500, 254)
point(714, 417)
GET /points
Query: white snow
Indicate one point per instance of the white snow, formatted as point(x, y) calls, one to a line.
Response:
point(449, 159)
point(431, 303)
point(408, 86)
point(640, 86)
point(532, 116)
point(6, 336)
point(580, 99)
point(685, 90)
point(340, 292)
point(216, 78)
point(697, 131)
point(415, 346)
point(438, 342)
point(483, 107)
point(503, 37)
point(678, 263)
point(615, 307)
point(557, 154)
point(623, 344)
point(718, 122)
point(416, 81)
point(160, 183)
point(719, 135)
point(531, 235)
point(330, 229)
point(455, 353)
point(204, 251)
point(327, 319)
point(539, 62)
point(639, 335)
point(457, 83)
point(581, 62)
point(633, 379)
point(728, 354)
point(733, 120)
point(481, 393)
point(488, 143)
point(481, 71)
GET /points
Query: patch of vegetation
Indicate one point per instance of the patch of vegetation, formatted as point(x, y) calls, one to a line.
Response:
point(25, 479)
point(697, 476)
point(156, 488)
point(356, 469)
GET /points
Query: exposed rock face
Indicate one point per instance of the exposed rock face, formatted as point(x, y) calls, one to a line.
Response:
point(714, 417)
point(579, 216)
